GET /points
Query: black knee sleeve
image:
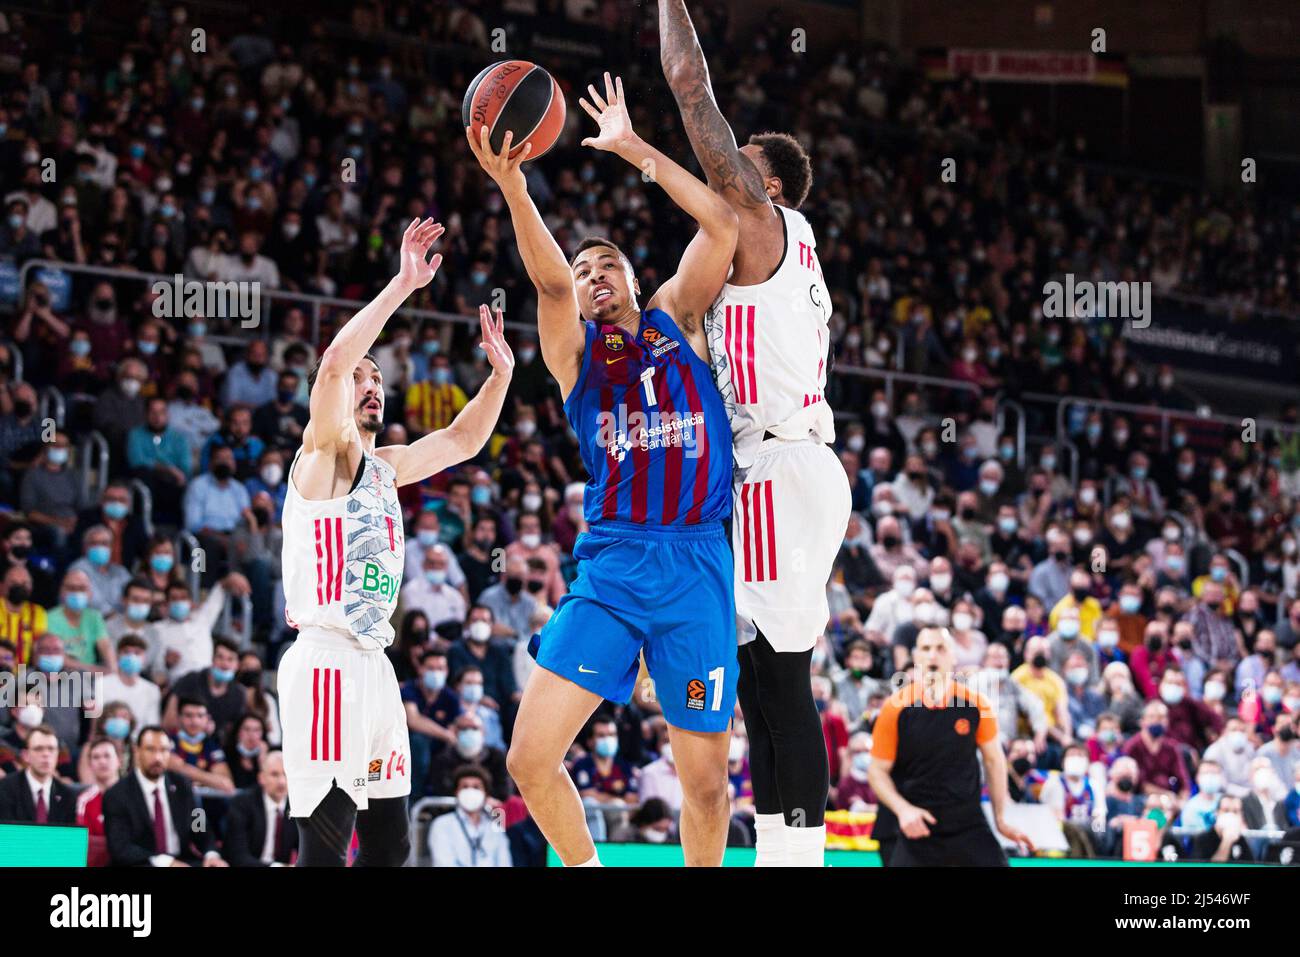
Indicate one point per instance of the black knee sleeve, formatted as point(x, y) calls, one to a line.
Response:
point(801, 770)
point(324, 837)
point(384, 830)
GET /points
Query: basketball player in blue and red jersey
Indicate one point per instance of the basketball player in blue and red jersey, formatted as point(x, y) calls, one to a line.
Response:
point(655, 570)
point(769, 341)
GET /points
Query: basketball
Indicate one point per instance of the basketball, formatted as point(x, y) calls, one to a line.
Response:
point(518, 96)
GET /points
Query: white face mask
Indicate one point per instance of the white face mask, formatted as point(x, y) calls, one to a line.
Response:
point(1108, 638)
point(479, 631)
point(31, 715)
point(905, 587)
point(653, 835)
point(1214, 690)
point(940, 581)
point(1075, 766)
point(962, 620)
point(736, 749)
point(130, 388)
point(532, 502)
point(471, 799)
point(531, 540)
point(271, 475)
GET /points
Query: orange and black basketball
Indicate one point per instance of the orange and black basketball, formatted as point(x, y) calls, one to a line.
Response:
point(519, 97)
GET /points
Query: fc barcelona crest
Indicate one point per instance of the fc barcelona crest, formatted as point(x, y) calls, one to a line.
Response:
point(614, 341)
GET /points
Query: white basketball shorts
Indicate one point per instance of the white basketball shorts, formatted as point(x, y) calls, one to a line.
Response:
point(343, 722)
point(790, 512)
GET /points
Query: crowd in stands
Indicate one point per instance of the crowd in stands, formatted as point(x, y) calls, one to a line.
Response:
point(1131, 599)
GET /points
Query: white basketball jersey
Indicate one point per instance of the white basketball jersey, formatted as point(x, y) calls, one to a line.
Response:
point(769, 345)
point(343, 557)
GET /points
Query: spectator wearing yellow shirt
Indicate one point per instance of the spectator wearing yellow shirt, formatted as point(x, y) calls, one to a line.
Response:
point(432, 404)
point(22, 621)
point(1089, 608)
point(1220, 572)
point(1037, 677)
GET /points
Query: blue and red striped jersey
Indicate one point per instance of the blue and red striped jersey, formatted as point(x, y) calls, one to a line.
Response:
point(652, 427)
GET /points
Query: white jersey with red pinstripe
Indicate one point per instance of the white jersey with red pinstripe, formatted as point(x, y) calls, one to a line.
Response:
point(343, 557)
point(769, 343)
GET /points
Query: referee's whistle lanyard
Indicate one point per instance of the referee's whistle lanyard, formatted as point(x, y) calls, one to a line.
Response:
point(475, 843)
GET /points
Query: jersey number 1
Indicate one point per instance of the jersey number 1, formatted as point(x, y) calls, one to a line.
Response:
point(646, 376)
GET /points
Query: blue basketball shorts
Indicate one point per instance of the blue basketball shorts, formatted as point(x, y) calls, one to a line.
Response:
point(666, 590)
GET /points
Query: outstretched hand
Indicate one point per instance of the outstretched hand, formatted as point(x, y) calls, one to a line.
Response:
point(417, 270)
point(494, 342)
point(500, 166)
point(610, 112)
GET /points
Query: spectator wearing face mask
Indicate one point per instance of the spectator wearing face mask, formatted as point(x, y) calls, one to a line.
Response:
point(854, 792)
point(182, 642)
point(1084, 702)
point(529, 546)
point(81, 627)
point(469, 835)
point(107, 579)
point(885, 614)
point(1263, 708)
point(1080, 600)
point(21, 619)
point(1038, 678)
point(511, 605)
point(120, 409)
point(1126, 613)
point(1066, 641)
point(128, 685)
point(431, 404)
point(1284, 748)
point(16, 542)
point(1124, 800)
point(475, 649)
point(213, 686)
point(855, 685)
point(1263, 806)
point(1077, 800)
point(602, 775)
point(431, 707)
point(471, 747)
point(431, 593)
point(854, 563)
point(1228, 588)
point(889, 553)
point(1222, 841)
point(1150, 659)
point(1200, 809)
point(1049, 581)
point(1018, 709)
point(1161, 767)
point(913, 489)
point(1190, 722)
point(1234, 753)
point(1121, 697)
point(1254, 668)
point(52, 493)
point(969, 642)
point(128, 539)
point(428, 532)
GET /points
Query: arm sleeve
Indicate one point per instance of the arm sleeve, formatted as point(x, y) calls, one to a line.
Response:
point(988, 727)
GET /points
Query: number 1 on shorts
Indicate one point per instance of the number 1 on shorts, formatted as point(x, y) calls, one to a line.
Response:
point(716, 676)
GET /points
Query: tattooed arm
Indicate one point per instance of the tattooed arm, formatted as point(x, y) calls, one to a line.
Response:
point(729, 171)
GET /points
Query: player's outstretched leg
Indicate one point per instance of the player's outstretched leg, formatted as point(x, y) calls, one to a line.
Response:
point(802, 769)
point(552, 713)
point(769, 821)
point(701, 761)
point(323, 838)
point(384, 832)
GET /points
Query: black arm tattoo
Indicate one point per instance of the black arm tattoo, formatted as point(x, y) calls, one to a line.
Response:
point(729, 171)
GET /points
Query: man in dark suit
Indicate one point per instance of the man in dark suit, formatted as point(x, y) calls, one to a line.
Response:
point(259, 832)
point(149, 816)
point(34, 795)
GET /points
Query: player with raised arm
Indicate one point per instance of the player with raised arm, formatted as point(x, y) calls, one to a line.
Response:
point(346, 749)
point(654, 571)
point(769, 341)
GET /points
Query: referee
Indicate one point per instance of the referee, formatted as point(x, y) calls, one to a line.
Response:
point(925, 772)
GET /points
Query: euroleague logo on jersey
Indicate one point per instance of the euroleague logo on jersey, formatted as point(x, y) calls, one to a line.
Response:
point(961, 726)
point(695, 695)
point(658, 342)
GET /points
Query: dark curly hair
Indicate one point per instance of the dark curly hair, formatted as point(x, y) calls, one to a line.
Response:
point(788, 161)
